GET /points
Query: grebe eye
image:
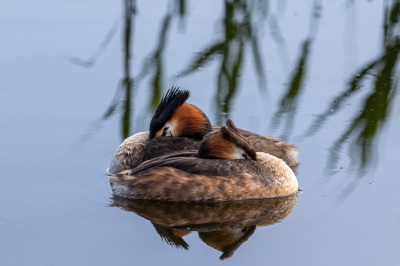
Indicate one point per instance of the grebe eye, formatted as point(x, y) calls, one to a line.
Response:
point(166, 128)
point(244, 155)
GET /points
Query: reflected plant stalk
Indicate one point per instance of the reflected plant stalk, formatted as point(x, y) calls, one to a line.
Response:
point(230, 67)
point(99, 51)
point(153, 64)
point(289, 101)
point(353, 87)
point(280, 41)
point(230, 50)
point(181, 6)
point(127, 81)
point(125, 86)
point(366, 126)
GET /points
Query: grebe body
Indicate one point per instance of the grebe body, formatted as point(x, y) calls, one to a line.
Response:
point(225, 167)
point(179, 126)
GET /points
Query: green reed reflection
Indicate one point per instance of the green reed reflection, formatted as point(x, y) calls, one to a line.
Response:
point(154, 64)
point(127, 81)
point(289, 102)
point(238, 24)
point(125, 86)
point(364, 128)
point(99, 51)
point(123, 93)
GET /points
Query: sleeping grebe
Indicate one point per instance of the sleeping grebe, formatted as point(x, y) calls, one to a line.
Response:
point(283, 150)
point(184, 124)
point(213, 173)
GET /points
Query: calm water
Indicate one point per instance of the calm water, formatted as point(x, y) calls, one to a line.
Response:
point(77, 77)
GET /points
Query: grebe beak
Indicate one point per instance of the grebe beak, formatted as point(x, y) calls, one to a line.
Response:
point(167, 132)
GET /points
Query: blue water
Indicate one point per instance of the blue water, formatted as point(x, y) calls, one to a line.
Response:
point(63, 65)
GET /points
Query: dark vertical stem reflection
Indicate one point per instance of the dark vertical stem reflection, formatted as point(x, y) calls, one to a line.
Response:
point(182, 8)
point(158, 62)
point(123, 93)
point(127, 82)
point(289, 102)
point(154, 63)
point(238, 24)
point(236, 35)
point(230, 66)
point(280, 42)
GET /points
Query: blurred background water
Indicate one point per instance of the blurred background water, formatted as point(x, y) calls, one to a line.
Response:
point(78, 77)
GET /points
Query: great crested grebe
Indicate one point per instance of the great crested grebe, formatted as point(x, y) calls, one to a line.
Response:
point(185, 125)
point(213, 173)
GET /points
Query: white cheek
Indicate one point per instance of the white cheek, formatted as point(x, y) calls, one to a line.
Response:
point(170, 128)
point(238, 153)
point(237, 233)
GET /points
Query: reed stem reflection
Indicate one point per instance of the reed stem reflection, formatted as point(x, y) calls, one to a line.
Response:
point(127, 82)
point(289, 102)
point(238, 24)
point(124, 91)
point(154, 63)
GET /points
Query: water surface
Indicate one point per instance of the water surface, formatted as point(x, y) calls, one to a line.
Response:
point(80, 76)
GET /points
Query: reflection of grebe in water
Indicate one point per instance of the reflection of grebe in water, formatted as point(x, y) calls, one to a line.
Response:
point(177, 125)
point(226, 167)
point(227, 241)
point(224, 226)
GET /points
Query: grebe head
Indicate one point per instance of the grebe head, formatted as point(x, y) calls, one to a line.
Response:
point(228, 144)
point(227, 241)
point(175, 118)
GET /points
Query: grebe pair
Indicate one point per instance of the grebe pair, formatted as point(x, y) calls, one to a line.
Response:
point(182, 158)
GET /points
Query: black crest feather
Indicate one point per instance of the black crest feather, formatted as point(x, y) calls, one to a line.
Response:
point(171, 100)
point(170, 238)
